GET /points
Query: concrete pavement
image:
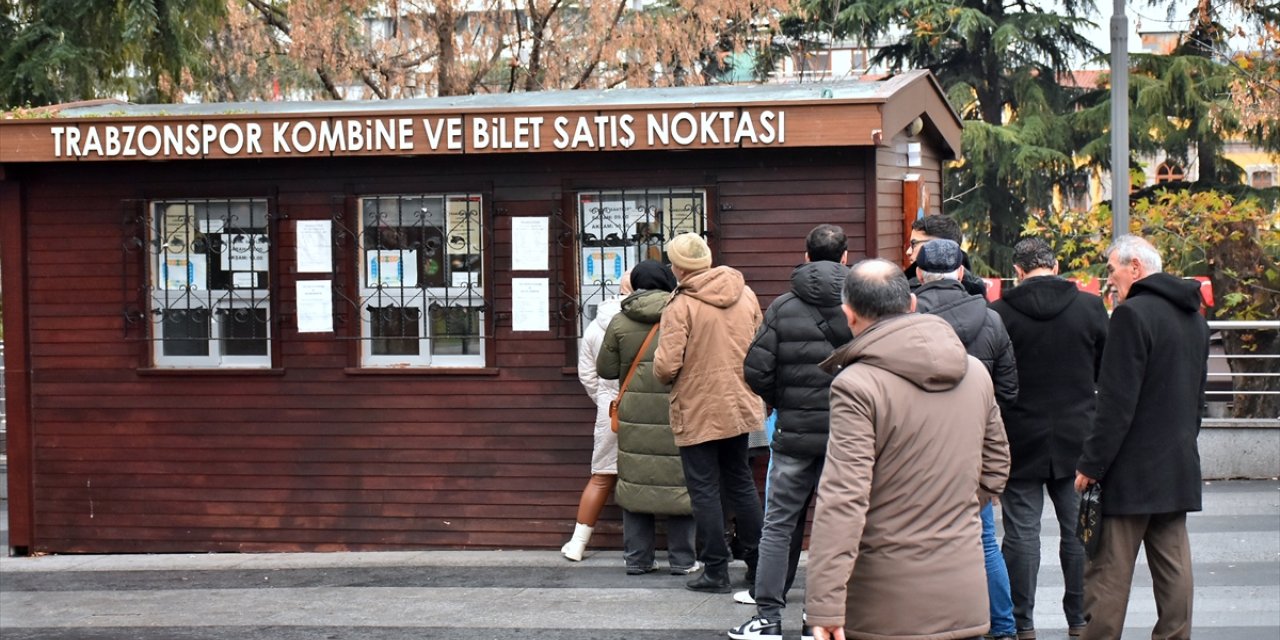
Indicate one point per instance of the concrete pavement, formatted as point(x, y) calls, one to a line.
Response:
point(537, 594)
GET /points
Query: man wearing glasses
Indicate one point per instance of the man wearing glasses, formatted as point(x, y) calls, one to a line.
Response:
point(945, 227)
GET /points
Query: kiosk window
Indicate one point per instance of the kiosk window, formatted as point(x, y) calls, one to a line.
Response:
point(620, 228)
point(421, 282)
point(210, 283)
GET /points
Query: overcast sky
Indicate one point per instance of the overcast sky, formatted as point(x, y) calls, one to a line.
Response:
point(1142, 17)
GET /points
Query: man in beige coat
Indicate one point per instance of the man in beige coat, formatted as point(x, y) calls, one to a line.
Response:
point(916, 442)
point(706, 331)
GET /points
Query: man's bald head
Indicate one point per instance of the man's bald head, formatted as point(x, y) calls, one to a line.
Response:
point(876, 289)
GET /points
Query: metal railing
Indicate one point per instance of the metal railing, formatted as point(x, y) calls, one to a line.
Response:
point(1224, 384)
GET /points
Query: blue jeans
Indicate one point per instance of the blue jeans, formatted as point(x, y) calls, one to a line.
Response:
point(997, 578)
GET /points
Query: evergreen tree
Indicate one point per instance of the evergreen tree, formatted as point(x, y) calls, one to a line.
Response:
point(63, 50)
point(1003, 66)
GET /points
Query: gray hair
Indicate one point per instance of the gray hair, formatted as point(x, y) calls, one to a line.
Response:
point(876, 288)
point(926, 277)
point(1128, 248)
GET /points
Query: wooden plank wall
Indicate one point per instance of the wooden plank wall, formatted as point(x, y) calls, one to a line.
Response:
point(891, 166)
point(313, 456)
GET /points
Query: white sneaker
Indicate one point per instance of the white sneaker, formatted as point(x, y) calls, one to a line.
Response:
point(757, 628)
point(697, 566)
point(743, 597)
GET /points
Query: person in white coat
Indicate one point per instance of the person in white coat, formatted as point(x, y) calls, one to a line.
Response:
point(604, 454)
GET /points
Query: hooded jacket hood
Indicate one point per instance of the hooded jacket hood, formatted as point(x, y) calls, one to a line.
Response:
point(948, 298)
point(819, 283)
point(1041, 297)
point(606, 311)
point(719, 286)
point(645, 306)
point(1183, 294)
point(919, 348)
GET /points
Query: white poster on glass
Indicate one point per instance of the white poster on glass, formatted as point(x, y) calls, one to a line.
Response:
point(315, 306)
point(529, 244)
point(609, 219)
point(391, 268)
point(603, 264)
point(315, 251)
point(530, 304)
point(182, 272)
point(245, 252)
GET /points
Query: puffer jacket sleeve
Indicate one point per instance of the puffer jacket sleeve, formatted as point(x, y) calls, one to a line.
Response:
point(760, 368)
point(608, 363)
point(844, 495)
point(1004, 371)
point(587, 351)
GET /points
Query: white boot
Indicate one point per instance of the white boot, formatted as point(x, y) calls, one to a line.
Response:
point(578, 543)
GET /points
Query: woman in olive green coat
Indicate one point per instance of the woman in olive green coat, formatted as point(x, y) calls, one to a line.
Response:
point(650, 475)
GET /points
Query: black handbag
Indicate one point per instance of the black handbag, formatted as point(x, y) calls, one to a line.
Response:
point(1089, 527)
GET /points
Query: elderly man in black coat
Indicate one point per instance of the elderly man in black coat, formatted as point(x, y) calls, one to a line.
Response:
point(1058, 333)
point(1142, 447)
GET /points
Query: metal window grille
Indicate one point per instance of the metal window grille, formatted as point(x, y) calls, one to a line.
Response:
point(210, 282)
point(620, 228)
point(422, 280)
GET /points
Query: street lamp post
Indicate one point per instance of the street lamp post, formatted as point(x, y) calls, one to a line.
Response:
point(1119, 120)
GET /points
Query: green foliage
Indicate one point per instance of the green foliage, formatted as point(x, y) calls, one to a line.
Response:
point(1235, 242)
point(64, 50)
point(1000, 65)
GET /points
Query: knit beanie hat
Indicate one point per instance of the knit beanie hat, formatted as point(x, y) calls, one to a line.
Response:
point(939, 256)
point(689, 252)
point(650, 275)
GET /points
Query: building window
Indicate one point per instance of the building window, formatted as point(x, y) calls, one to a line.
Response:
point(422, 281)
point(1262, 179)
point(813, 64)
point(210, 283)
point(621, 228)
point(1168, 173)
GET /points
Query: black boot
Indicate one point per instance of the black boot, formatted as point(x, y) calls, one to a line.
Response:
point(711, 582)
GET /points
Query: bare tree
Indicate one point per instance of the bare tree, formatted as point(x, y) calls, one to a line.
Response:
point(399, 48)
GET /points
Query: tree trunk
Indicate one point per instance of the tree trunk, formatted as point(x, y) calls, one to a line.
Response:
point(448, 79)
point(1239, 253)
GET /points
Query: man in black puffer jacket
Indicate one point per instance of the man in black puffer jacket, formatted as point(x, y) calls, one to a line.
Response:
point(800, 330)
point(979, 328)
point(940, 271)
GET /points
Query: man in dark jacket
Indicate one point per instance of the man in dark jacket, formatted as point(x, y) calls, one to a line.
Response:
point(800, 330)
point(929, 228)
point(1142, 447)
point(1058, 333)
point(940, 269)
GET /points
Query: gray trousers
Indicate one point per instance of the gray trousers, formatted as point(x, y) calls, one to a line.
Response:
point(792, 481)
point(1109, 575)
point(1022, 505)
point(639, 532)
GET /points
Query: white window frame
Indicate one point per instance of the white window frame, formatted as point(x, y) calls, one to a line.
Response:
point(195, 295)
point(405, 291)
